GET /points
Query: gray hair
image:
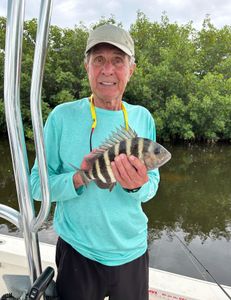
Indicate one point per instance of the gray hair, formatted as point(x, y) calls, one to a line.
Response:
point(88, 54)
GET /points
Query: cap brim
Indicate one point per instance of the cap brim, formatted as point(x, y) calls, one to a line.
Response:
point(121, 47)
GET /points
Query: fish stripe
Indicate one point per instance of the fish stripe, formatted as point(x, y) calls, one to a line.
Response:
point(104, 166)
point(140, 148)
point(110, 176)
point(111, 154)
point(134, 146)
point(99, 174)
point(147, 145)
point(122, 147)
point(94, 172)
point(90, 174)
point(116, 149)
point(106, 158)
point(128, 146)
point(150, 146)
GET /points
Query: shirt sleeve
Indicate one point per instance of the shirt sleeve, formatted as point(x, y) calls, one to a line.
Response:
point(61, 184)
point(149, 189)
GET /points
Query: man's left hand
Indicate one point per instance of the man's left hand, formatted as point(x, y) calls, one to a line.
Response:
point(129, 171)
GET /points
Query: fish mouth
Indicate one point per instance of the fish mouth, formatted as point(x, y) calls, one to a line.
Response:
point(165, 158)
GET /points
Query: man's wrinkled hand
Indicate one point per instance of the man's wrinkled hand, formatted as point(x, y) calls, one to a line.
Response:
point(129, 171)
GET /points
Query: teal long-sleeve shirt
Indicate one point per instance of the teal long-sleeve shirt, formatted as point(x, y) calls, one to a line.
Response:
point(109, 227)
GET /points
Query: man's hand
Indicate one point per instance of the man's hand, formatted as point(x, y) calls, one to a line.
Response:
point(129, 171)
point(77, 179)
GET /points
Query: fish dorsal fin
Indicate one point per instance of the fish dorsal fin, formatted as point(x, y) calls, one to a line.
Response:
point(118, 136)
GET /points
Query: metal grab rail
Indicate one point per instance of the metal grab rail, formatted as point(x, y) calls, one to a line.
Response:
point(13, 52)
point(11, 215)
point(36, 112)
point(14, 34)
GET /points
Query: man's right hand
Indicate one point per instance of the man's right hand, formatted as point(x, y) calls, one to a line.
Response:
point(85, 165)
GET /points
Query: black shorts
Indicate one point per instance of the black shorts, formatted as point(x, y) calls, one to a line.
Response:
point(80, 278)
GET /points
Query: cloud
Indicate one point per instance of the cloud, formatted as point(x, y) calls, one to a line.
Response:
point(67, 13)
point(183, 11)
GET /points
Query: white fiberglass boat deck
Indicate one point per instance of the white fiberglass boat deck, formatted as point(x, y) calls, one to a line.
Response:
point(162, 285)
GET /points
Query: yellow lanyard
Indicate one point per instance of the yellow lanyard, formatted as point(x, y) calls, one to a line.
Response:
point(94, 119)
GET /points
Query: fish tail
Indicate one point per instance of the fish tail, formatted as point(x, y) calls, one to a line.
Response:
point(82, 174)
point(84, 177)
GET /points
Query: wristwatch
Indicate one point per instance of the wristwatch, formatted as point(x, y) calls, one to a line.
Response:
point(133, 190)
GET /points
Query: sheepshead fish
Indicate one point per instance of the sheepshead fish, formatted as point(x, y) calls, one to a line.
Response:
point(152, 154)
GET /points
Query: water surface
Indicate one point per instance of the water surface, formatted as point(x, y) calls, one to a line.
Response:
point(193, 205)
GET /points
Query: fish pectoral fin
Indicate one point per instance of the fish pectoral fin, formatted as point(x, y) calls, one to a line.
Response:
point(112, 186)
point(84, 177)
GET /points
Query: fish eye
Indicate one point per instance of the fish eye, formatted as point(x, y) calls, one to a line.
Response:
point(157, 150)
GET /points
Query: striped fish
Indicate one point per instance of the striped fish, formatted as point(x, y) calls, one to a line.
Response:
point(152, 154)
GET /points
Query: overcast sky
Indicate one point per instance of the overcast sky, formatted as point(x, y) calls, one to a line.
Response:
point(67, 13)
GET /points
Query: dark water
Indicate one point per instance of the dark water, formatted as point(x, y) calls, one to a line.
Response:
point(193, 205)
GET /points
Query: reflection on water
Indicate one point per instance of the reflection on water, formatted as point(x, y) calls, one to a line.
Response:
point(195, 193)
point(170, 255)
point(193, 201)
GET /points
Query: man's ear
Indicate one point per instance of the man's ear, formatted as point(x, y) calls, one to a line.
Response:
point(132, 69)
point(86, 67)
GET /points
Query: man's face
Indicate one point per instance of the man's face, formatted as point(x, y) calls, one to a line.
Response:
point(109, 71)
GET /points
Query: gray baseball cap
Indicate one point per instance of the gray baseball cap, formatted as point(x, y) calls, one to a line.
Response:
point(113, 35)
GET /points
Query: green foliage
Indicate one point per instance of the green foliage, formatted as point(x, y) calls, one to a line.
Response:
point(138, 89)
point(174, 120)
point(2, 117)
point(111, 20)
point(63, 96)
point(213, 46)
point(206, 107)
point(183, 76)
point(26, 116)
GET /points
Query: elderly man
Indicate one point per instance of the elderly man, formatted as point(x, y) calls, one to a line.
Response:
point(102, 245)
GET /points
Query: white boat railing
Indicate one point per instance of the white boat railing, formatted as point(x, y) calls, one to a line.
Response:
point(26, 220)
